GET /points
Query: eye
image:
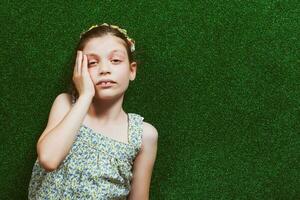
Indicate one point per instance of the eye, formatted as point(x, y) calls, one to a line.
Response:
point(91, 63)
point(116, 60)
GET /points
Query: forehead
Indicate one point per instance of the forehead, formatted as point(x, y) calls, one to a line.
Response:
point(105, 45)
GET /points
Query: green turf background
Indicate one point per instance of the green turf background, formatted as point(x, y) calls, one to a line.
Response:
point(220, 81)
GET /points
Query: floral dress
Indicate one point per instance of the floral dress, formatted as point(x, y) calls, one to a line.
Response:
point(96, 167)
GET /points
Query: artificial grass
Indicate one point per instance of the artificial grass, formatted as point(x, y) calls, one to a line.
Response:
point(218, 79)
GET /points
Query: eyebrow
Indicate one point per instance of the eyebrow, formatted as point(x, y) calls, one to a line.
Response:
point(115, 50)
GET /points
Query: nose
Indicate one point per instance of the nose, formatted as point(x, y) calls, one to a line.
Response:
point(103, 68)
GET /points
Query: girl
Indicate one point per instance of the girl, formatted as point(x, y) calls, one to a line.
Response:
point(91, 148)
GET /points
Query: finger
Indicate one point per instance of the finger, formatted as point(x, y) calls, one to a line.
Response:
point(76, 63)
point(79, 64)
point(84, 64)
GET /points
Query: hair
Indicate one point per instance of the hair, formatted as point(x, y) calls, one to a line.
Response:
point(95, 32)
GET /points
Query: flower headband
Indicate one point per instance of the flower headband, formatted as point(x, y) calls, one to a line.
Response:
point(130, 40)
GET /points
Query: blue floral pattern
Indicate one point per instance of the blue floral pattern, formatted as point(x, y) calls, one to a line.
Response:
point(96, 167)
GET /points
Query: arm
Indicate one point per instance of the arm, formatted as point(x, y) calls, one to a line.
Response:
point(56, 141)
point(64, 122)
point(143, 164)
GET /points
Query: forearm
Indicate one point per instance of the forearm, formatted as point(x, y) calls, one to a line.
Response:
point(56, 144)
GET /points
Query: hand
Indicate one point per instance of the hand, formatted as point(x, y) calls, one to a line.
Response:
point(81, 76)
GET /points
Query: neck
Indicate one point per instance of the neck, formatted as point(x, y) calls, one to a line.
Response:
point(106, 111)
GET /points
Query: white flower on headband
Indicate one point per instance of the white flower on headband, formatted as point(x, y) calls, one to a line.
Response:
point(132, 46)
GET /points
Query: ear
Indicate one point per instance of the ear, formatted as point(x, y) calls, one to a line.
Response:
point(133, 69)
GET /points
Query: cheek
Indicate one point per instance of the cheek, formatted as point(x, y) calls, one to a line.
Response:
point(124, 75)
point(92, 70)
point(92, 73)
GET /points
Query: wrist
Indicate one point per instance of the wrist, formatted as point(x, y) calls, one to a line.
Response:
point(86, 97)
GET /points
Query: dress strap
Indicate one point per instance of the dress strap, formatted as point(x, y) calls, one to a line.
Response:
point(136, 130)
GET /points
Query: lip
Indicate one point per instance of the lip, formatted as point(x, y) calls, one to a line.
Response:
point(105, 85)
point(105, 80)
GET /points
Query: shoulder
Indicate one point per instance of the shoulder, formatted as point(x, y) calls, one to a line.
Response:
point(62, 102)
point(65, 95)
point(150, 134)
point(65, 99)
point(59, 109)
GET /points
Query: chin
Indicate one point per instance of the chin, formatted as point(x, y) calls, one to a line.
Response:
point(107, 95)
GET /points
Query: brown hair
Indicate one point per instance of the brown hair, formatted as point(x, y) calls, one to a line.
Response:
point(97, 31)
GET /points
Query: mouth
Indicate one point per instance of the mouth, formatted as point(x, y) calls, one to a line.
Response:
point(106, 84)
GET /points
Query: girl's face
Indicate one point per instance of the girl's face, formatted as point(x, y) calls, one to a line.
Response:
point(108, 59)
